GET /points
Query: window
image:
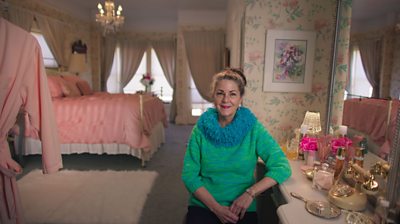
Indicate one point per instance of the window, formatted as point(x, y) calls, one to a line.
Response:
point(358, 83)
point(135, 85)
point(199, 105)
point(48, 57)
point(149, 60)
point(113, 81)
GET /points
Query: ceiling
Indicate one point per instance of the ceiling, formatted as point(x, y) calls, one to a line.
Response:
point(372, 9)
point(142, 14)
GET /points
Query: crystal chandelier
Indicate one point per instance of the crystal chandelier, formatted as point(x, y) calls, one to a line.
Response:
point(108, 18)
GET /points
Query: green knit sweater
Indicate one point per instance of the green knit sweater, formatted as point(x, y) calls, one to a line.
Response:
point(216, 160)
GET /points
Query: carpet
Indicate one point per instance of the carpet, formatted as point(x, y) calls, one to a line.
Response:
point(85, 197)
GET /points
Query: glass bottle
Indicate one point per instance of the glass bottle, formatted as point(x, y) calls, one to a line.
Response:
point(364, 145)
point(323, 178)
point(342, 131)
point(340, 157)
point(359, 156)
point(381, 210)
point(303, 134)
point(310, 158)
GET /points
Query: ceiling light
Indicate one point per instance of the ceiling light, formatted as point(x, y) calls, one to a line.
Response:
point(110, 19)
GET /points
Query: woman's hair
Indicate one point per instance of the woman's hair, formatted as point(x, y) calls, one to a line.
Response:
point(233, 74)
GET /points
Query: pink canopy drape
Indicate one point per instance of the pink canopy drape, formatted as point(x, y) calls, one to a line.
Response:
point(23, 87)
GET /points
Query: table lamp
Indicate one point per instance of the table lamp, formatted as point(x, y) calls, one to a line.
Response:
point(313, 121)
point(77, 63)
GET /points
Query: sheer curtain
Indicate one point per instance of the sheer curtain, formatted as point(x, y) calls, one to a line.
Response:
point(204, 50)
point(54, 34)
point(166, 53)
point(131, 54)
point(371, 57)
point(21, 17)
point(107, 60)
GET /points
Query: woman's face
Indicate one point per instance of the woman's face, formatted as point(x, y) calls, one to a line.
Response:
point(227, 99)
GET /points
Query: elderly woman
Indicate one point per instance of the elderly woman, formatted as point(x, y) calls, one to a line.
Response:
point(222, 154)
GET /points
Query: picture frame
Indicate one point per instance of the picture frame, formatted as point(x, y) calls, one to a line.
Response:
point(289, 61)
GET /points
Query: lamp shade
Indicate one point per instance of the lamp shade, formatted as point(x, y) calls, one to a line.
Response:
point(313, 122)
point(77, 63)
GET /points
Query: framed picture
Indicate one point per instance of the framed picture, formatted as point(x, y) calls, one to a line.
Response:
point(289, 60)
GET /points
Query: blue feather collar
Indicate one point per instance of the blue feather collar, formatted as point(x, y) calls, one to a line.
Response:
point(230, 135)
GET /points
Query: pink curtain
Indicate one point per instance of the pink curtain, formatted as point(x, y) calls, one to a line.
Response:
point(23, 86)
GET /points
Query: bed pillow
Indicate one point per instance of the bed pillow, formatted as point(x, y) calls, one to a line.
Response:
point(71, 89)
point(84, 87)
point(70, 81)
point(54, 83)
point(71, 78)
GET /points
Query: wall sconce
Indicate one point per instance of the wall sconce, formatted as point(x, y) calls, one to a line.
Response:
point(313, 121)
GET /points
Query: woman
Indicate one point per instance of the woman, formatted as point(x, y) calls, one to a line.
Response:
point(222, 154)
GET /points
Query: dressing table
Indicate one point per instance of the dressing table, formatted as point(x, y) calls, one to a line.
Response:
point(294, 210)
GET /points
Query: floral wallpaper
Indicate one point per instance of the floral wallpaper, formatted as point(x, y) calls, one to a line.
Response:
point(282, 112)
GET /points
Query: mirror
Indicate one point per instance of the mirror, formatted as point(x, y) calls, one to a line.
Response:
point(369, 19)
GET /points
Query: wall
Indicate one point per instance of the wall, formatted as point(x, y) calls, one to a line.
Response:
point(281, 112)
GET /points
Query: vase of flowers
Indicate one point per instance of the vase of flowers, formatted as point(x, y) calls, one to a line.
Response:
point(147, 80)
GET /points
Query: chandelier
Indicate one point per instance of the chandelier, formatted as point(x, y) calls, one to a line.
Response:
point(110, 19)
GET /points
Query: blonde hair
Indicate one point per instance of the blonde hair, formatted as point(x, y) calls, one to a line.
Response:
point(233, 74)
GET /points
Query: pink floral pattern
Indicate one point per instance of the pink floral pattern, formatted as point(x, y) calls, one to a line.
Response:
point(281, 110)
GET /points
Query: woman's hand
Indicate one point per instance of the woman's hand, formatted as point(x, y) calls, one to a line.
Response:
point(225, 214)
point(241, 204)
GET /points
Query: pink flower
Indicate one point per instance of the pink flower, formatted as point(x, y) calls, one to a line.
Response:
point(309, 144)
point(340, 142)
point(147, 80)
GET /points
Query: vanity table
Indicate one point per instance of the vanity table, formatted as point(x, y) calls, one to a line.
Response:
point(294, 211)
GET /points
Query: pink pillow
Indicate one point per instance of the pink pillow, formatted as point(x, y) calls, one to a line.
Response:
point(71, 78)
point(54, 83)
point(71, 81)
point(71, 89)
point(84, 87)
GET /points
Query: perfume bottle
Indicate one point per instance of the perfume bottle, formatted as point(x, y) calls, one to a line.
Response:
point(323, 178)
point(340, 157)
point(359, 156)
point(310, 158)
point(364, 145)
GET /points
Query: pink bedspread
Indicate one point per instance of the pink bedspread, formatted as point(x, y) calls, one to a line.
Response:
point(105, 118)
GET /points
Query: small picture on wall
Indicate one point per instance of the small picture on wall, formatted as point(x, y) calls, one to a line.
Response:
point(289, 61)
point(289, 57)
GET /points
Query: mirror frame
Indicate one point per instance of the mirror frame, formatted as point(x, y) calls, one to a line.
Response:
point(332, 79)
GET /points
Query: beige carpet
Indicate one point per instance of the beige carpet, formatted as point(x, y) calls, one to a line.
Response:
point(85, 197)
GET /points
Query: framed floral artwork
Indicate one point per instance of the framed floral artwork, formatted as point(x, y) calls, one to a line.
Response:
point(289, 60)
